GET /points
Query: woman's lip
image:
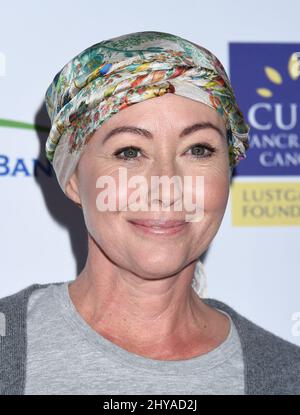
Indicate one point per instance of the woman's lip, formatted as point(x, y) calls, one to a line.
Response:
point(167, 229)
point(163, 224)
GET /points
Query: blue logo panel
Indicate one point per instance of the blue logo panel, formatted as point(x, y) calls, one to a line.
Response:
point(266, 81)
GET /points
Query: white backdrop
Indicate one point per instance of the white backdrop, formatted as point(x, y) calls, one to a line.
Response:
point(253, 269)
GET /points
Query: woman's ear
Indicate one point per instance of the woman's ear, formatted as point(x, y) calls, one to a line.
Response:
point(72, 190)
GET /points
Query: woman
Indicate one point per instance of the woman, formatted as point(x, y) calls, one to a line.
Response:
point(134, 321)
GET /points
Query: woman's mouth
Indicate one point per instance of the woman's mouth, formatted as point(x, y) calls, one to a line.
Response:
point(159, 227)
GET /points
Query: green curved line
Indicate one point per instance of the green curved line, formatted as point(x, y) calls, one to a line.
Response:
point(22, 125)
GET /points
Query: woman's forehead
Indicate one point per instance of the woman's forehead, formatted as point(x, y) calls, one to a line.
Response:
point(181, 111)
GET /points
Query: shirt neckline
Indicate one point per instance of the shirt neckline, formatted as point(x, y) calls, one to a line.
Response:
point(118, 354)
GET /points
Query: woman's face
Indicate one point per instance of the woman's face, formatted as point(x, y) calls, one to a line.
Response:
point(165, 149)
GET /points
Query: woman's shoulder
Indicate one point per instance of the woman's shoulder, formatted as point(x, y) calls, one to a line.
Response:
point(13, 318)
point(271, 362)
point(13, 306)
point(256, 333)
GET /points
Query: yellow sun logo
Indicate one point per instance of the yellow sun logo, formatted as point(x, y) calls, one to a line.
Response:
point(274, 76)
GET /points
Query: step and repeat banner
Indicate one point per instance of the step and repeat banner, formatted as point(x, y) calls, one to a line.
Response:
point(253, 263)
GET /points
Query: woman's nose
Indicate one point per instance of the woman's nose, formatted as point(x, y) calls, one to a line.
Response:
point(165, 182)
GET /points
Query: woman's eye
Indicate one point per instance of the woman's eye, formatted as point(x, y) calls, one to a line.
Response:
point(129, 153)
point(198, 151)
point(202, 151)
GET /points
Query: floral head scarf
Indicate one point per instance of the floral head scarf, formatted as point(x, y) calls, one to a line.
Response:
point(113, 74)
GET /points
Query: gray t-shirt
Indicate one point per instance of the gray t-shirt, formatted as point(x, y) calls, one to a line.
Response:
point(66, 356)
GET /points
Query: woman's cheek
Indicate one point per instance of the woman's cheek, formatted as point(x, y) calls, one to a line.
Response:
point(216, 192)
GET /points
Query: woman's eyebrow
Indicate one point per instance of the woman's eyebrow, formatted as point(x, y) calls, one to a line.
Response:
point(147, 134)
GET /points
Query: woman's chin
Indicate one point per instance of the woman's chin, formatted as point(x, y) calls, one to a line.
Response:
point(162, 267)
